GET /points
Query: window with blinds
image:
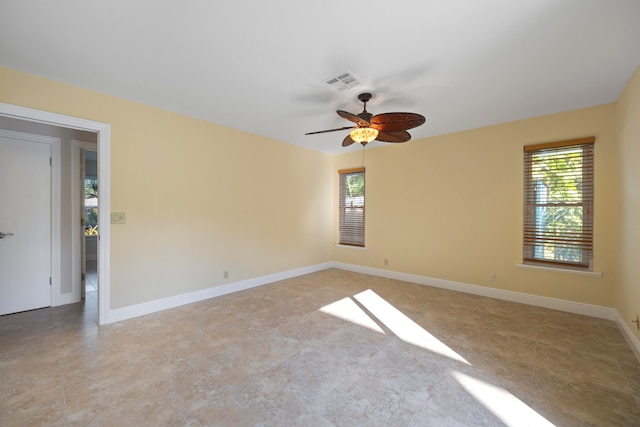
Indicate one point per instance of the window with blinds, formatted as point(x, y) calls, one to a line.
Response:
point(351, 207)
point(558, 204)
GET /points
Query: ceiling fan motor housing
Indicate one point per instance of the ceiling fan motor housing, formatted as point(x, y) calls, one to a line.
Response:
point(365, 97)
point(365, 115)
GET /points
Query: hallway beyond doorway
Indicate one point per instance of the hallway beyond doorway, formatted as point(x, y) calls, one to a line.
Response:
point(91, 277)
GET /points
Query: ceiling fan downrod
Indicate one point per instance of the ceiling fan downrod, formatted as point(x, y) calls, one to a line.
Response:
point(365, 97)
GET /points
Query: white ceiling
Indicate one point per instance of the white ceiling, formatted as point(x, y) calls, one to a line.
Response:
point(259, 66)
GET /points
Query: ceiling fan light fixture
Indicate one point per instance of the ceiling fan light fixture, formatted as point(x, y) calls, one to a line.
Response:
point(364, 135)
point(386, 127)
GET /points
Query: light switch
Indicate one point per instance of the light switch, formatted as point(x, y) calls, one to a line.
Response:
point(118, 218)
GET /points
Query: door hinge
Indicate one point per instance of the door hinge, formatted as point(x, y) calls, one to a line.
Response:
point(82, 277)
point(50, 161)
point(49, 281)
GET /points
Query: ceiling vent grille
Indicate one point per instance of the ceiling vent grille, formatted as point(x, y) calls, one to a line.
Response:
point(343, 81)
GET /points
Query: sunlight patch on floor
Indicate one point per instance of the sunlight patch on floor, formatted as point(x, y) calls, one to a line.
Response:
point(405, 328)
point(504, 405)
point(348, 310)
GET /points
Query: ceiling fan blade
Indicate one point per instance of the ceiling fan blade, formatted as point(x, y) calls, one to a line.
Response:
point(329, 130)
point(396, 121)
point(347, 141)
point(353, 118)
point(393, 136)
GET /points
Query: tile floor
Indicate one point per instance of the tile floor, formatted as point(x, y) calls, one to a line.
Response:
point(91, 276)
point(329, 348)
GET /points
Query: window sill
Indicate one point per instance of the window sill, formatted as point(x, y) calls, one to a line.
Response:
point(559, 270)
point(361, 248)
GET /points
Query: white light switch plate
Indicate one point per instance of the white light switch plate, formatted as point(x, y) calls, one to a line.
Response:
point(118, 218)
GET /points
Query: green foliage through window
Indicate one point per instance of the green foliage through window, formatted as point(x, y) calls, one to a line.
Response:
point(351, 205)
point(559, 205)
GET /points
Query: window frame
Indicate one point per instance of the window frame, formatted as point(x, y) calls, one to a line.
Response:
point(351, 232)
point(535, 237)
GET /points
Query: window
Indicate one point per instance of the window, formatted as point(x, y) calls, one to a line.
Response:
point(352, 207)
point(558, 204)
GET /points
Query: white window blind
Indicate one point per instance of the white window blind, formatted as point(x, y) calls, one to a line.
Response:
point(558, 204)
point(351, 206)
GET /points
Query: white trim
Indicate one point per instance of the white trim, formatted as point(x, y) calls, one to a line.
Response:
point(76, 244)
point(25, 136)
point(178, 300)
point(535, 300)
point(559, 270)
point(360, 248)
point(104, 219)
point(607, 313)
point(68, 298)
point(56, 239)
point(631, 338)
point(104, 161)
point(55, 267)
point(129, 312)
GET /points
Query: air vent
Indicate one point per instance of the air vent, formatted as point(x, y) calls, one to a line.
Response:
point(343, 81)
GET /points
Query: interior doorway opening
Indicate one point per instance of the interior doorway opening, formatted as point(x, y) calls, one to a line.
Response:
point(90, 233)
point(63, 292)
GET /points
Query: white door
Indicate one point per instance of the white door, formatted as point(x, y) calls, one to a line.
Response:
point(25, 221)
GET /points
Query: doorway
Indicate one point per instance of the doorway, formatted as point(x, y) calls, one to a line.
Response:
point(103, 131)
point(90, 212)
point(89, 196)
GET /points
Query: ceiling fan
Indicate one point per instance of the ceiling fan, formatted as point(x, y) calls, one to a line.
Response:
point(386, 127)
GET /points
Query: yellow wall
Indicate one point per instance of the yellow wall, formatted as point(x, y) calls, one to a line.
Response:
point(628, 125)
point(450, 207)
point(199, 198)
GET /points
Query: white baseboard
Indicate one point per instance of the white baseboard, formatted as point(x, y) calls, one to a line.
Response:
point(63, 299)
point(129, 312)
point(539, 301)
point(601, 312)
point(633, 341)
point(535, 300)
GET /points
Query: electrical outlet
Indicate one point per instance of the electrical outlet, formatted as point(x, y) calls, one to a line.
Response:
point(492, 277)
point(225, 275)
point(386, 261)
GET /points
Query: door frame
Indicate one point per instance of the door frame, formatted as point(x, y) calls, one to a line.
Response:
point(55, 298)
point(103, 131)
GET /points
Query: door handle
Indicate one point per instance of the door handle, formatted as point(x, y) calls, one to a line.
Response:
point(3, 235)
